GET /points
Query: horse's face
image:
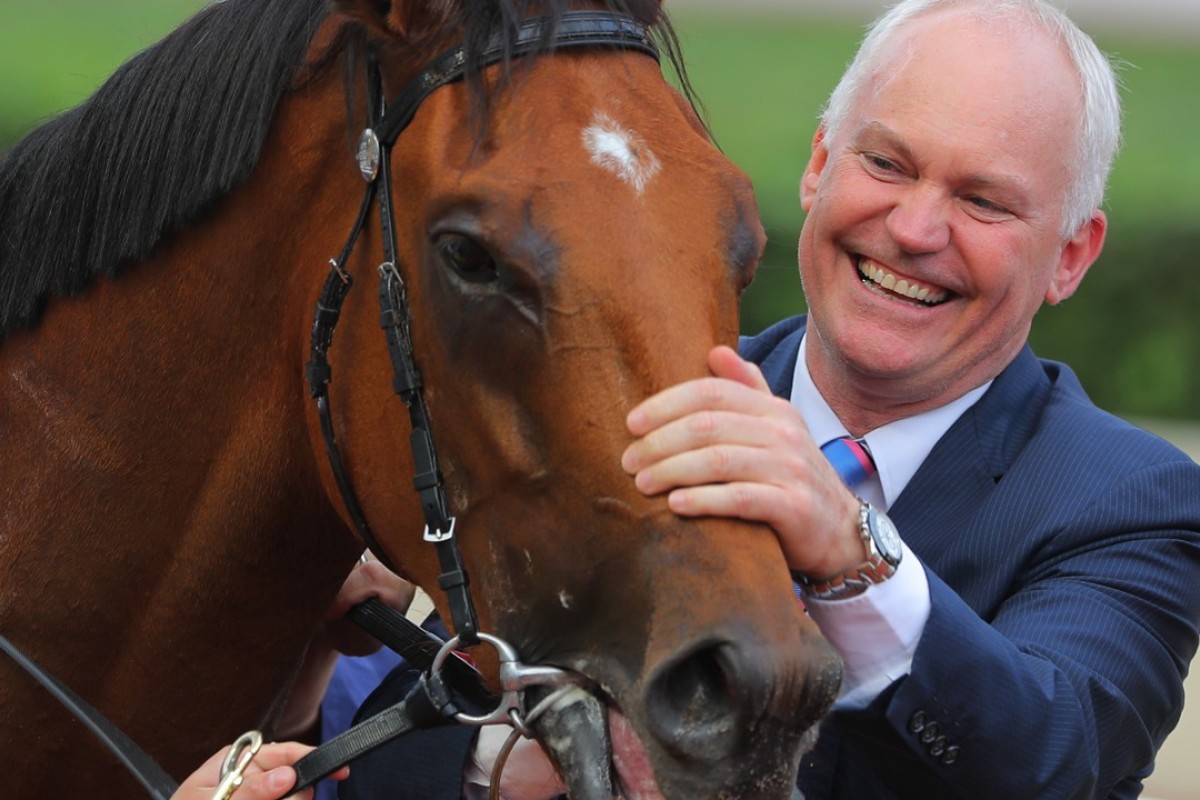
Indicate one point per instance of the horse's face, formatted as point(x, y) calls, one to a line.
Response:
point(587, 252)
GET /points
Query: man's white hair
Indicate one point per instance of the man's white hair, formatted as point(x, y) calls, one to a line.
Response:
point(1099, 134)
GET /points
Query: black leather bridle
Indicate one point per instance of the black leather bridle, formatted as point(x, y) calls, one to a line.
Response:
point(386, 122)
point(447, 688)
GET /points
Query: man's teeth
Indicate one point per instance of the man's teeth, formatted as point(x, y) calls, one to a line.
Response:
point(870, 271)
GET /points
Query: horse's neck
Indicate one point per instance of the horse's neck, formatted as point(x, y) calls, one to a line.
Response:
point(159, 472)
point(181, 382)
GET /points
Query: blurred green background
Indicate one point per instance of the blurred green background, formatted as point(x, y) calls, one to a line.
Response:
point(1131, 332)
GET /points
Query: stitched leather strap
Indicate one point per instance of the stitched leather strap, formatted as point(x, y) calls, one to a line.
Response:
point(415, 711)
point(418, 647)
point(575, 29)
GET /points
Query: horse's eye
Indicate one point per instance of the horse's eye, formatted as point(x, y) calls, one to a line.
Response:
point(467, 257)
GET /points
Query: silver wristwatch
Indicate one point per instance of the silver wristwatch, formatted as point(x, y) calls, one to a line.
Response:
point(884, 551)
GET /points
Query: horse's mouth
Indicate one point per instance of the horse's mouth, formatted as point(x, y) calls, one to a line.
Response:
point(600, 756)
point(596, 749)
point(631, 764)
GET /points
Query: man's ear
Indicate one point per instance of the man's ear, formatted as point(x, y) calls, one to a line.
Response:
point(1078, 255)
point(812, 173)
point(405, 19)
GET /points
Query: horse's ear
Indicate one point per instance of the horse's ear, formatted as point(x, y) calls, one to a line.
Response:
point(406, 19)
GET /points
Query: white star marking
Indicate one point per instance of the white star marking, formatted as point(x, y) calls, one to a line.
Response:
point(620, 151)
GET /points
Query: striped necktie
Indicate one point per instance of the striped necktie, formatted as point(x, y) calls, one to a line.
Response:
point(854, 465)
point(850, 458)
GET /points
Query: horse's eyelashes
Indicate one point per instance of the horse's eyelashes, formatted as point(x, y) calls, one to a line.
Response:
point(468, 258)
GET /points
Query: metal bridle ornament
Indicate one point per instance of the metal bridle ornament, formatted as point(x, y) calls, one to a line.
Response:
point(515, 678)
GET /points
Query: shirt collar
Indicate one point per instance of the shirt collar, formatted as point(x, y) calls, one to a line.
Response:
point(898, 448)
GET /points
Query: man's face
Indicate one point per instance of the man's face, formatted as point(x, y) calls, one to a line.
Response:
point(934, 217)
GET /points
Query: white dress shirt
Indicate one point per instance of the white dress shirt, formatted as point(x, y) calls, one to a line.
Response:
point(876, 632)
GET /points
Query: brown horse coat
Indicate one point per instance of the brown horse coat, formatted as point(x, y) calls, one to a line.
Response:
point(170, 531)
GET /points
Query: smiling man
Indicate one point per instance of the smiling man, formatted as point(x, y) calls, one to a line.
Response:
point(1015, 586)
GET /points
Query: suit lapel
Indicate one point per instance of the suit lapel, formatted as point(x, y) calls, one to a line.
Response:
point(964, 467)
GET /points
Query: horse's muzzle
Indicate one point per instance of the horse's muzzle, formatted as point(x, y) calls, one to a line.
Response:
point(717, 723)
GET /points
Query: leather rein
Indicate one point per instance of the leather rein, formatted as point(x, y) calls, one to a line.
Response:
point(449, 690)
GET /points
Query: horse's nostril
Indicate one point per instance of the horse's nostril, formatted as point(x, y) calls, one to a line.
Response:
point(695, 705)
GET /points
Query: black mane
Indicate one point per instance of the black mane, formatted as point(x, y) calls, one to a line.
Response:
point(173, 130)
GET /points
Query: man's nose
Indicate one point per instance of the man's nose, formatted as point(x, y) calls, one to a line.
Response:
point(919, 222)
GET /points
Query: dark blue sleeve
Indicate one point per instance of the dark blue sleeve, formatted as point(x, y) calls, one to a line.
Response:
point(422, 765)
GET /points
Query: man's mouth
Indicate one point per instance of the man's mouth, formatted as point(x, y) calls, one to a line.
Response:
point(879, 279)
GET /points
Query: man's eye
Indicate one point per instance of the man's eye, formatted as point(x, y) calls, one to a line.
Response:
point(879, 163)
point(987, 206)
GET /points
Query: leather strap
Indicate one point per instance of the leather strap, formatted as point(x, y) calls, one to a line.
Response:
point(158, 784)
point(430, 703)
point(419, 647)
point(574, 29)
point(418, 710)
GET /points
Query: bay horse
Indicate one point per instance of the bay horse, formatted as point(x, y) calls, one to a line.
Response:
point(570, 242)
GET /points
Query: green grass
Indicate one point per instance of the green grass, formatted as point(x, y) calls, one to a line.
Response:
point(1157, 175)
point(1130, 332)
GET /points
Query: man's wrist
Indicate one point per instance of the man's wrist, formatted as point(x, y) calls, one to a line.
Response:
point(884, 551)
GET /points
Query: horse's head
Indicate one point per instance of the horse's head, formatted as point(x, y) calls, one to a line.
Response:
point(569, 247)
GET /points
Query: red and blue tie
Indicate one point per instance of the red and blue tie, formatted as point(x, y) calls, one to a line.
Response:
point(854, 465)
point(850, 458)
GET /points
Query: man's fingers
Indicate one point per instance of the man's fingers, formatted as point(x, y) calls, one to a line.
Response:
point(753, 502)
point(736, 385)
point(280, 754)
point(726, 363)
point(698, 431)
point(718, 464)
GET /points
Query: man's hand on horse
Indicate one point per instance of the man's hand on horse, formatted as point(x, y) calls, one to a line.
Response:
point(726, 446)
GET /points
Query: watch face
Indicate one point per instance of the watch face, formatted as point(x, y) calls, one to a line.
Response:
point(885, 535)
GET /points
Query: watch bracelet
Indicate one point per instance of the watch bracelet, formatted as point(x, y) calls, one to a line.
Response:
point(853, 582)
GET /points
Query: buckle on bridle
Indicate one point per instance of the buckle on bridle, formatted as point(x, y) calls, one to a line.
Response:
point(437, 537)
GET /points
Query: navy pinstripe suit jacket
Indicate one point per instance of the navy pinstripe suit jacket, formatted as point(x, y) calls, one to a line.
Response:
point(1062, 547)
point(1063, 552)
